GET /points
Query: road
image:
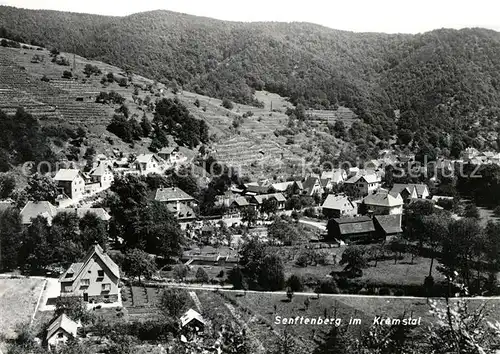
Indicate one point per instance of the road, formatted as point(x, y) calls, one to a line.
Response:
point(227, 288)
point(318, 224)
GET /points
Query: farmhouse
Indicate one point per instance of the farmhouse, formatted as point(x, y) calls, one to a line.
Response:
point(33, 209)
point(411, 191)
point(388, 226)
point(280, 200)
point(102, 174)
point(149, 163)
point(362, 185)
point(71, 182)
point(351, 229)
point(336, 206)
point(312, 186)
point(60, 331)
point(384, 203)
point(95, 279)
point(332, 178)
point(167, 153)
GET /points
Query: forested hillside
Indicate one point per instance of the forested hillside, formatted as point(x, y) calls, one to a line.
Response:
point(443, 82)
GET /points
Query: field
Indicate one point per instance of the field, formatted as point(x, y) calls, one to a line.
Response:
point(18, 299)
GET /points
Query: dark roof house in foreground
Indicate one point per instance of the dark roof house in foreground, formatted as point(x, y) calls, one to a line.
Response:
point(351, 229)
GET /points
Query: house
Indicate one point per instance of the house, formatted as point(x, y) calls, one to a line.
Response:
point(237, 205)
point(336, 206)
point(178, 202)
point(102, 174)
point(174, 195)
point(149, 163)
point(167, 152)
point(388, 226)
point(192, 321)
point(95, 279)
point(259, 200)
point(71, 182)
point(33, 209)
point(256, 188)
point(182, 212)
point(362, 185)
point(331, 178)
point(351, 229)
point(384, 203)
point(60, 331)
point(312, 186)
point(281, 187)
point(81, 212)
point(410, 191)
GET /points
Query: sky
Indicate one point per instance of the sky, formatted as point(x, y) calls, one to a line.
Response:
point(390, 16)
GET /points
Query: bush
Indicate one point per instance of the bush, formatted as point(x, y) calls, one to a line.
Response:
point(226, 103)
point(384, 291)
point(67, 74)
point(295, 283)
point(328, 287)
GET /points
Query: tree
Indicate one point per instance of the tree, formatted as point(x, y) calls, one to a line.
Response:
point(93, 230)
point(66, 238)
point(249, 215)
point(295, 283)
point(7, 185)
point(10, 238)
point(173, 301)
point(435, 228)
point(289, 294)
point(337, 341)
point(270, 206)
point(180, 272)
point(236, 278)
point(354, 260)
point(471, 211)
point(42, 188)
point(202, 276)
point(72, 307)
point(146, 126)
point(226, 103)
point(271, 273)
point(37, 250)
point(139, 264)
point(459, 248)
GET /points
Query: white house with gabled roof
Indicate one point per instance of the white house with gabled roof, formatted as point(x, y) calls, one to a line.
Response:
point(71, 182)
point(95, 279)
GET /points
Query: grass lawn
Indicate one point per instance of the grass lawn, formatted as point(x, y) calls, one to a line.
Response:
point(386, 272)
point(18, 299)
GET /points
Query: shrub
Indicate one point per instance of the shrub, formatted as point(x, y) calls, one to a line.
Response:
point(295, 283)
point(384, 291)
point(328, 287)
point(67, 74)
point(226, 103)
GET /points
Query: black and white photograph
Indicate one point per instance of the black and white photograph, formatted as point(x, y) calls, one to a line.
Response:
point(260, 177)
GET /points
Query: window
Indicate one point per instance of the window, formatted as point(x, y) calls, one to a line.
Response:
point(85, 282)
point(100, 273)
point(67, 289)
point(69, 275)
point(106, 287)
point(60, 335)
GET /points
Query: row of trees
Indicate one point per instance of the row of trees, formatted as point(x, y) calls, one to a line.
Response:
point(41, 244)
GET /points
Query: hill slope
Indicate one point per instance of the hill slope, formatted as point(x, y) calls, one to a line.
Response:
point(442, 81)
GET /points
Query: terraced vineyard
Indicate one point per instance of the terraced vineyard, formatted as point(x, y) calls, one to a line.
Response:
point(342, 113)
point(54, 100)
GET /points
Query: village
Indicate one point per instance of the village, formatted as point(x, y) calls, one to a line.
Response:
point(194, 228)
